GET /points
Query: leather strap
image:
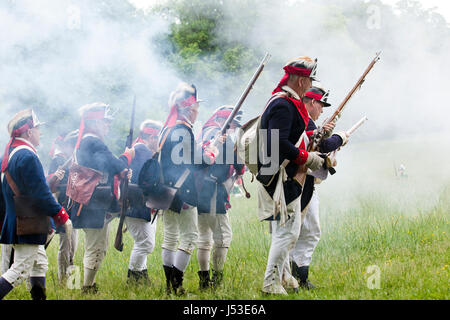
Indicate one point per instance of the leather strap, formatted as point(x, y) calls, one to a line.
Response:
point(10, 180)
point(12, 184)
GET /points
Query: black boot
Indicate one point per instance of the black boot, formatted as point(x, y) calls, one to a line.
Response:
point(217, 278)
point(205, 281)
point(177, 282)
point(133, 276)
point(38, 293)
point(303, 277)
point(295, 270)
point(144, 276)
point(90, 289)
point(38, 288)
point(168, 271)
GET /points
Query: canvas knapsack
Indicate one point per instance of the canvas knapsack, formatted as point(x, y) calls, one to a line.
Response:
point(248, 144)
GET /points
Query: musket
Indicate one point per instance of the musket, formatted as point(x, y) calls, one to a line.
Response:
point(242, 98)
point(53, 180)
point(318, 137)
point(118, 242)
point(313, 146)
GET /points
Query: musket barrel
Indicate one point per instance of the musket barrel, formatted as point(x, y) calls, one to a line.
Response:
point(246, 92)
point(355, 87)
point(357, 125)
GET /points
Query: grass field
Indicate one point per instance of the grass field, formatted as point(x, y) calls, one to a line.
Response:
point(399, 227)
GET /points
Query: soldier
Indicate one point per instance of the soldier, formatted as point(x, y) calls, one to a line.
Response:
point(92, 153)
point(178, 154)
point(57, 181)
point(6, 248)
point(26, 194)
point(301, 255)
point(214, 200)
point(286, 114)
point(138, 218)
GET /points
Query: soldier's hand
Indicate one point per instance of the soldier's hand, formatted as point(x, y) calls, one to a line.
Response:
point(328, 129)
point(126, 173)
point(314, 161)
point(60, 174)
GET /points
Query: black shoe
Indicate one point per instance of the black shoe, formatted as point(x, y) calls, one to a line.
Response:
point(90, 289)
point(144, 277)
point(177, 282)
point(135, 277)
point(307, 285)
point(168, 271)
point(301, 274)
point(295, 270)
point(38, 293)
point(217, 278)
point(205, 281)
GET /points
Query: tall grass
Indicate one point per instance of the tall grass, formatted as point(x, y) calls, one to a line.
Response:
point(411, 251)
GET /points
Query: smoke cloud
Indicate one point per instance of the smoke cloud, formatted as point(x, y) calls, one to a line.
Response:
point(59, 55)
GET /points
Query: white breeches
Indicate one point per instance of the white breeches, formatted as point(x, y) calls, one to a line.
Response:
point(214, 230)
point(95, 246)
point(143, 233)
point(283, 240)
point(309, 234)
point(30, 260)
point(180, 230)
point(6, 257)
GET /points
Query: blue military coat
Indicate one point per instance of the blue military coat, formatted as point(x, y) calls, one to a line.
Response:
point(142, 154)
point(212, 180)
point(94, 154)
point(27, 172)
point(181, 135)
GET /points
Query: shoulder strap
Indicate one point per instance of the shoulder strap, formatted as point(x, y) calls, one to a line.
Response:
point(163, 140)
point(12, 184)
point(277, 95)
point(10, 180)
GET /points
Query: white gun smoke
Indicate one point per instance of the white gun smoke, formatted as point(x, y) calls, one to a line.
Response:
point(68, 53)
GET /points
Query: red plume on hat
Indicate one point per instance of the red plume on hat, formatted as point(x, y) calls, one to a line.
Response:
point(183, 97)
